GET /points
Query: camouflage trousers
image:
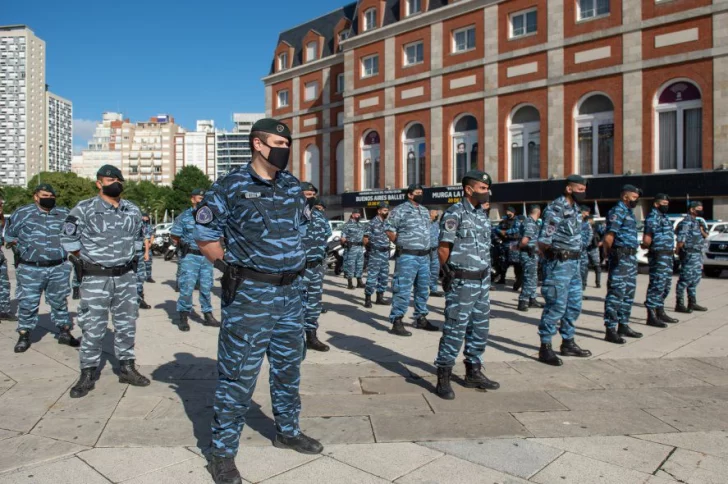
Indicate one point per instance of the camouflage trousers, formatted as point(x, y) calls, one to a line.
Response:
point(529, 263)
point(148, 266)
point(467, 317)
point(313, 278)
point(4, 287)
point(32, 281)
point(354, 261)
point(410, 271)
point(434, 270)
point(262, 320)
point(562, 293)
point(621, 286)
point(102, 296)
point(660, 280)
point(590, 258)
point(377, 271)
point(194, 268)
point(74, 280)
point(691, 270)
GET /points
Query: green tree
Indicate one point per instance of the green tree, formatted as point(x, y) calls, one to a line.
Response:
point(189, 178)
point(15, 197)
point(144, 194)
point(70, 188)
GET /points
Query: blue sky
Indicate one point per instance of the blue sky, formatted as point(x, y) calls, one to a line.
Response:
point(191, 59)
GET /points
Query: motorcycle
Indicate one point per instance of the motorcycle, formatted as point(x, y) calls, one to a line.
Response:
point(335, 255)
point(160, 245)
point(171, 251)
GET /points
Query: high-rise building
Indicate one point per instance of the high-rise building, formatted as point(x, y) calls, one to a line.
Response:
point(197, 148)
point(233, 147)
point(23, 122)
point(59, 135)
point(148, 153)
point(105, 146)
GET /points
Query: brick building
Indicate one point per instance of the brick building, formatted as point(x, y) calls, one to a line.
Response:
point(382, 93)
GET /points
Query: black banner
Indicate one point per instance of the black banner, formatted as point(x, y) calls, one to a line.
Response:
point(371, 198)
point(442, 195)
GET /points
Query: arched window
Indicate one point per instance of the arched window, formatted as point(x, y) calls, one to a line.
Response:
point(465, 146)
point(525, 141)
point(414, 150)
point(679, 123)
point(594, 122)
point(340, 162)
point(370, 160)
point(311, 163)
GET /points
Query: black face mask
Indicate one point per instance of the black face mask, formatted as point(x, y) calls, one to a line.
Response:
point(578, 196)
point(384, 215)
point(311, 202)
point(487, 211)
point(663, 208)
point(481, 198)
point(278, 157)
point(47, 203)
point(418, 198)
point(631, 203)
point(698, 213)
point(113, 190)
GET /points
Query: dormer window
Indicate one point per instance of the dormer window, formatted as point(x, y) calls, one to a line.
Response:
point(370, 19)
point(413, 7)
point(311, 51)
point(343, 35)
point(283, 61)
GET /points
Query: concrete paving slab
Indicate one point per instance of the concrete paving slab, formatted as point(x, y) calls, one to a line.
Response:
point(6, 434)
point(446, 427)
point(494, 401)
point(541, 382)
point(580, 423)
point(122, 464)
point(100, 403)
point(349, 405)
point(612, 399)
point(519, 457)
point(700, 395)
point(577, 469)
point(622, 379)
point(27, 450)
point(66, 471)
point(22, 406)
point(83, 431)
point(582, 367)
point(713, 443)
point(717, 361)
point(256, 464)
point(192, 471)
point(386, 460)
point(127, 432)
point(694, 467)
point(457, 471)
point(339, 430)
point(691, 419)
point(397, 385)
point(325, 469)
point(137, 406)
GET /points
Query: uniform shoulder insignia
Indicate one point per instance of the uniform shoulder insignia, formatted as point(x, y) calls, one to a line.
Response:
point(613, 217)
point(69, 228)
point(550, 229)
point(451, 224)
point(204, 215)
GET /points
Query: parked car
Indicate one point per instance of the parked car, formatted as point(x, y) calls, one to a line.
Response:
point(715, 256)
point(162, 229)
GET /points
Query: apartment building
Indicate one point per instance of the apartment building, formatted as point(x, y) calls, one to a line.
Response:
point(197, 148)
point(147, 152)
point(383, 93)
point(233, 147)
point(105, 146)
point(59, 135)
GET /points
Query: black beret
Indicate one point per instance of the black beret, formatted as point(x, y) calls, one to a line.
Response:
point(197, 191)
point(308, 186)
point(662, 196)
point(585, 208)
point(576, 179)
point(110, 171)
point(510, 208)
point(696, 203)
point(478, 175)
point(384, 204)
point(318, 201)
point(45, 187)
point(413, 187)
point(271, 126)
point(533, 207)
point(632, 188)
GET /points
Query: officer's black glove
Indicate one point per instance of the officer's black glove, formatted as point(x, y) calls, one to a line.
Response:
point(447, 277)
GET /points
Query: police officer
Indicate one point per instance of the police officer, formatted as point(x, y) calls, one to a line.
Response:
point(509, 229)
point(587, 236)
point(593, 253)
point(659, 240)
point(529, 259)
point(465, 256)
point(434, 257)
point(141, 275)
point(408, 226)
point(259, 209)
point(101, 234)
point(560, 243)
point(36, 229)
point(5, 313)
point(620, 245)
point(352, 237)
point(194, 267)
point(377, 242)
point(150, 231)
point(691, 231)
point(317, 233)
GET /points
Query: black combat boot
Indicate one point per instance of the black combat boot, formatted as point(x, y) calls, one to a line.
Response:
point(681, 308)
point(444, 389)
point(85, 384)
point(76, 293)
point(422, 323)
point(625, 330)
point(6, 316)
point(501, 279)
point(367, 300)
point(380, 300)
point(613, 336)
point(546, 355)
point(522, 305)
point(183, 325)
point(300, 443)
point(692, 304)
point(176, 287)
point(662, 315)
point(224, 471)
point(654, 320)
point(437, 293)
point(23, 342)
point(599, 278)
point(398, 328)
point(129, 374)
point(533, 303)
point(209, 320)
point(360, 283)
point(142, 303)
point(570, 348)
point(65, 338)
point(474, 378)
point(151, 280)
point(351, 283)
point(313, 343)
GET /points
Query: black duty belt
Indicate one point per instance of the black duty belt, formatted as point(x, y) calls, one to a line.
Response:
point(563, 255)
point(694, 251)
point(381, 249)
point(622, 251)
point(284, 279)
point(419, 252)
point(434, 249)
point(43, 263)
point(470, 275)
point(359, 244)
point(193, 252)
point(660, 252)
point(314, 264)
point(97, 270)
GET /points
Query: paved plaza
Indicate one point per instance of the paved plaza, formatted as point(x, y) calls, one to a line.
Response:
point(652, 411)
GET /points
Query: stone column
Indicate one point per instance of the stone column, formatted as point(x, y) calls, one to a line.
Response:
point(389, 59)
point(437, 145)
point(268, 101)
point(390, 138)
point(491, 128)
point(436, 43)
point(555, 12)
point(348, 164)
point(295, 94)
point(632, 122)
point(556, 131)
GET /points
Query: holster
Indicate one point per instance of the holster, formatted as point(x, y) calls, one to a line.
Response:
point(183, 249)
point(16, 256)
point(230, 281)
point(77, 266)
point(447, 276)
point(135, 265)
point(397, 251)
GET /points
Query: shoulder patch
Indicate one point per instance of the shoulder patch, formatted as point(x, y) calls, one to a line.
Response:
point(451, 225)
point(204, 215)
point(69, 228)
point(613, 217)
point(550, 229)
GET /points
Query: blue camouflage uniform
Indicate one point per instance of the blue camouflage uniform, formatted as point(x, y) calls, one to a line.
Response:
point(378, 268)
point(107, 237)
point(434, 259)
point(660, 258)
point(43, 266)
point(411, 224)
point(622, 280)
point(353, 232)
point(317, 232)
point(261, 221)
point(194, 268)
point(141, 275)
point(691, 258)
point(529, 260)
point(586, 237)
point(561, 230)
point(467, 303)
point(4, 280)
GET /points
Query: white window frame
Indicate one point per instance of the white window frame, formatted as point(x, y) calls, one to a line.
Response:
point(370, 19)
point(524, 14)
point(593, 121)
point(410, 11)
point(279, 96)
point(340, 83)
point(417, 46)
point(413, 144)
point(467, 137)
point(364, 74)
point(680, 108)
point(311, 51)
point(465, 31)
point(580, 15)
point(522, 129)
point(310, 169)
point(343, 35)
point(283, 61)
point(373, 155)
point(306, 95)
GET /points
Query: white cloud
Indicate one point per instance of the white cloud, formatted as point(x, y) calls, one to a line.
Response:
point(83, 131)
